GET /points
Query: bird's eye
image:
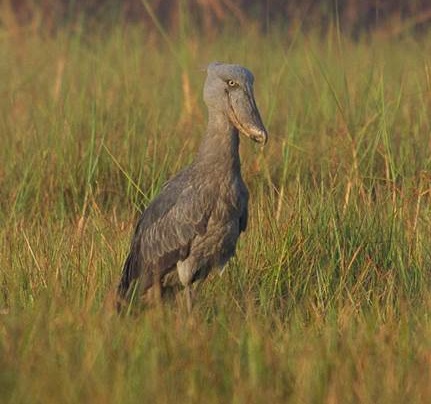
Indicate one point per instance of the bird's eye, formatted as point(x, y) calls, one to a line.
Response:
point(231, 83)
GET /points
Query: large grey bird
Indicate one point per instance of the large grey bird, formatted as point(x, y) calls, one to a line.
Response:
point(193, 225)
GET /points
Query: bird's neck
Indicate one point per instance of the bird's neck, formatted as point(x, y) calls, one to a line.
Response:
point(220, 144)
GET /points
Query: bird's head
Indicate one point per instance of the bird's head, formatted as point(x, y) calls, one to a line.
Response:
point(229, 90)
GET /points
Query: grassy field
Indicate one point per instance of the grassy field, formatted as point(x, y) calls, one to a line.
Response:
point(329, 297)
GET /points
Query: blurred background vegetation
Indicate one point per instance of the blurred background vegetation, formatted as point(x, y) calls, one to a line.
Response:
point(385, 17)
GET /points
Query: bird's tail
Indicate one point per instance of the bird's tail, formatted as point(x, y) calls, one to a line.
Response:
point(128, 280)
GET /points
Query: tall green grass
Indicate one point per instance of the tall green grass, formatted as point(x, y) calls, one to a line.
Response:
point(328, 299)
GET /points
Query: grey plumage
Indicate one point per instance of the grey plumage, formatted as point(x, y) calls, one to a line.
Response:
point(194, 223)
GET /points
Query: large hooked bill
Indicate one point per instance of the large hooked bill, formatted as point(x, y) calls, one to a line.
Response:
point(245, 116)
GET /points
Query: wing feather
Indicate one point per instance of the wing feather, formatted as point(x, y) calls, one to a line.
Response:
point(166, 229)
point(165, 234)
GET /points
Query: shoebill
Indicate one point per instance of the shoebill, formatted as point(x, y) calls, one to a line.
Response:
point(193, 225)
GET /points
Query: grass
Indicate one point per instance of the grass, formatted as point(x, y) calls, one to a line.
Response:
point(328, 299)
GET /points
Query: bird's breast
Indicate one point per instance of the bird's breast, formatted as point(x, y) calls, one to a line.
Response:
point(213, 248)
point(230, 202)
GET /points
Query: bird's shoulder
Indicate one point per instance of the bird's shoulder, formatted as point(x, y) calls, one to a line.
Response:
point(168, 196)
point(183, 193)
point(172, 220)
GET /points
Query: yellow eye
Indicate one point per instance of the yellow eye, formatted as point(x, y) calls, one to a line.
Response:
point(231, 83)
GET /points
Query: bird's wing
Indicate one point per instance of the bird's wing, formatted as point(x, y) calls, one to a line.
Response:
point(166, 229)
point(170, 223)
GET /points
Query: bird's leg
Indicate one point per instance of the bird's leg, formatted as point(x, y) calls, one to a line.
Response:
point(189, 297)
